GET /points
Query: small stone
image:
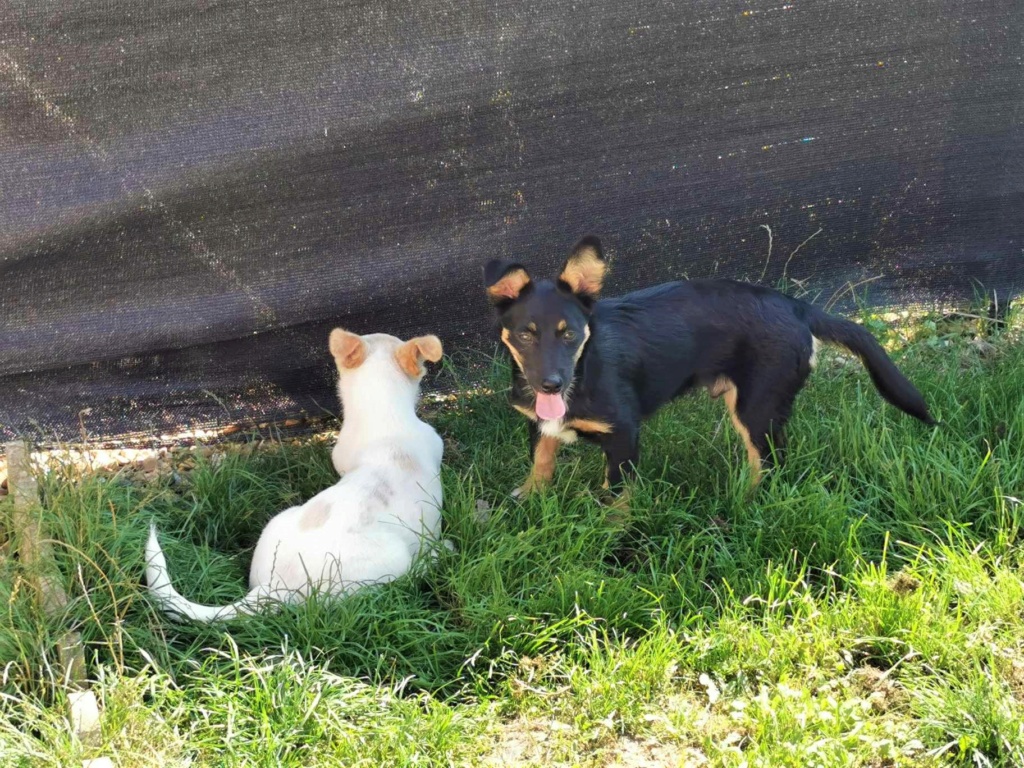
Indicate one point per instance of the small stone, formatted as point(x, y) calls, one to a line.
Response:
point(710, 687)
point(483, 511)
point(983, 348)
point(85, 713)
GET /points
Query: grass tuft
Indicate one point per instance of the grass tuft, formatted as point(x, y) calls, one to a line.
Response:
point(862, 608)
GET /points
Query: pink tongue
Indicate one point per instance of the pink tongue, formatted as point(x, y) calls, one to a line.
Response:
point(550, 407)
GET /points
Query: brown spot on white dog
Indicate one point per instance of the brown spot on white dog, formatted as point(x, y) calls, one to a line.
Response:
point(382, 492)
point(314, 515)
point(405, 461)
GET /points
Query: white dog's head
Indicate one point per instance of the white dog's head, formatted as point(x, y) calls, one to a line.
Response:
point(383, 362)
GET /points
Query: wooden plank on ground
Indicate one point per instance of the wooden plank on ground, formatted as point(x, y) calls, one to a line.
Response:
point(35, 557)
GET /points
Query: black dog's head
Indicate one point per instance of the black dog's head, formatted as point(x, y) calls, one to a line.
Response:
point(545, 324)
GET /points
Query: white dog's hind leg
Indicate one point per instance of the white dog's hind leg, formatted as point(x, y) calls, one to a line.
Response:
point(366, 559)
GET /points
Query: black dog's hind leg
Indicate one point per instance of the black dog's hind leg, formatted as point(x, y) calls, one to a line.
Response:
point(759, 413)
point(754, 451)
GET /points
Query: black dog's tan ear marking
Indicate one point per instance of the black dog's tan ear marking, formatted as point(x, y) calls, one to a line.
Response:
point(585, 268)
point(349, 349)
point(411, 354)
point(505, 281)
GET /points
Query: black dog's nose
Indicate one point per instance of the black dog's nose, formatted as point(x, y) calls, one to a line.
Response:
point(552, 385)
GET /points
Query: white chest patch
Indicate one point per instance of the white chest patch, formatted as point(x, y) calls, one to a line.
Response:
point(558, 430)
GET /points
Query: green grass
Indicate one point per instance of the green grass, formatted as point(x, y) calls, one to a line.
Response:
point(862, 608)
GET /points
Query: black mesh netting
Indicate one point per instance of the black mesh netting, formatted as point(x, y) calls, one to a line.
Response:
point(192, 193)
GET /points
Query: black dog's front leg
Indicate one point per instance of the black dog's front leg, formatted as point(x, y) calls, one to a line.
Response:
point(622, 454)
point(544, 450)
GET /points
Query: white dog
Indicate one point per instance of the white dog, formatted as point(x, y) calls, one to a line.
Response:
point(366, 529)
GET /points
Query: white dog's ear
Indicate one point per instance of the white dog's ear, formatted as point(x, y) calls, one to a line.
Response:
point(349, 349)
point(411, 354)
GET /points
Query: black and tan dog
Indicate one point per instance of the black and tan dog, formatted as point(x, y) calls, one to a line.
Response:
point(597, 368)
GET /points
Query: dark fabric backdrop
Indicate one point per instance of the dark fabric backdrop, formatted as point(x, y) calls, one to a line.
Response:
point(193, 193)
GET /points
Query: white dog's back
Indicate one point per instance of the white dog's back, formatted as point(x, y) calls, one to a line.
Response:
point(369, 526)
point(380, 511)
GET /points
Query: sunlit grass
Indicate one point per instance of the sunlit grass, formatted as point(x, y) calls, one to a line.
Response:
point(862, 608)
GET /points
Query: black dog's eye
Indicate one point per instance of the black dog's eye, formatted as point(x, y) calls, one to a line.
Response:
point(525, 337)
point(569, 336)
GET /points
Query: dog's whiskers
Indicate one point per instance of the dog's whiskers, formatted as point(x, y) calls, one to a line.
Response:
point(567, 395)
point(526, 384)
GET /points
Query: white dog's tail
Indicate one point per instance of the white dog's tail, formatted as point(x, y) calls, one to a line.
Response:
point(176, 606)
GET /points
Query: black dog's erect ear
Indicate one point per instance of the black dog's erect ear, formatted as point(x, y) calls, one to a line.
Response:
point(505, 281)
point(584, 269)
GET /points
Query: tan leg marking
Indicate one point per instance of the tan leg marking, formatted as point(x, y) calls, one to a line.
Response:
point(753, 455)
point(590, 425)
point(618, 503)
point(543, 466)
point(720, 386)
point(620, 507)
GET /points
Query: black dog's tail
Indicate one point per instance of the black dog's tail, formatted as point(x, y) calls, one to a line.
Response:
point(893, 385)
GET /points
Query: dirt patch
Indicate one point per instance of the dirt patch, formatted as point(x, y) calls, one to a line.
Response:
point(629, 753)
point(142, 465)
point(525, 742)
point(548, 742)
point(879, 689)
point(904, 584)
point(1012, 671)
